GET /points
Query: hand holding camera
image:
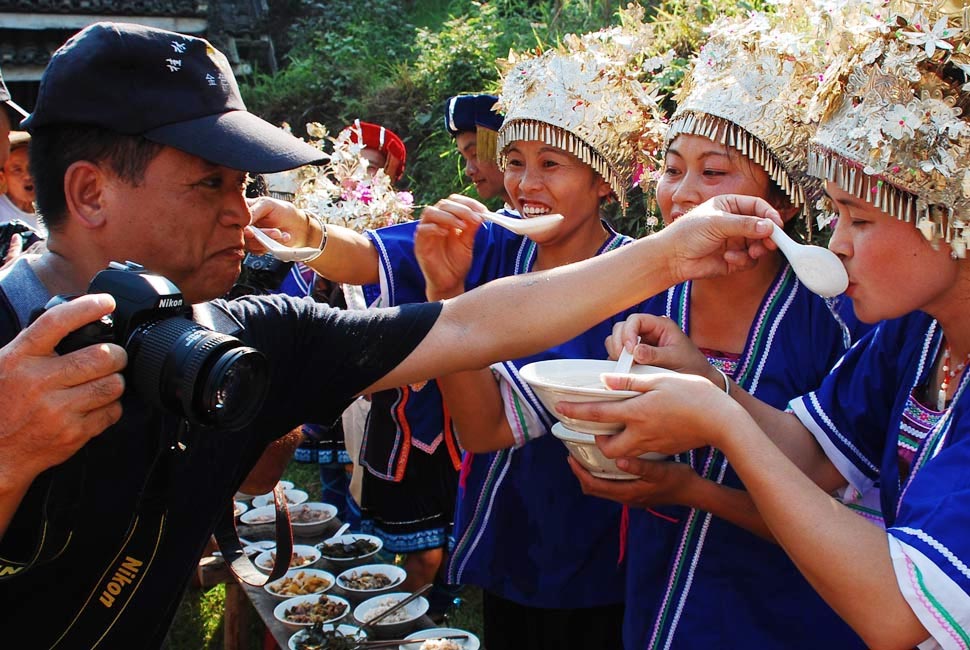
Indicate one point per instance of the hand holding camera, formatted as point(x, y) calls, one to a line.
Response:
point(53, 405)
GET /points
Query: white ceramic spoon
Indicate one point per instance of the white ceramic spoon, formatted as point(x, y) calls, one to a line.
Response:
point(819, 269)
point(525, 226)
point(282, 252)
point(625, 362)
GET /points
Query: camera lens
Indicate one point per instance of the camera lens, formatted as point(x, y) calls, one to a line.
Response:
point(209, 378)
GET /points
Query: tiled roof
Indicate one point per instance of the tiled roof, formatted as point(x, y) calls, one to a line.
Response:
point(195, 8)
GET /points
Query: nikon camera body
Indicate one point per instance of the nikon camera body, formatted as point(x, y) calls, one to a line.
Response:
point(174, 363)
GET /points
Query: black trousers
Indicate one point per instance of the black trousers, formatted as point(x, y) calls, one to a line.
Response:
point(510, 626)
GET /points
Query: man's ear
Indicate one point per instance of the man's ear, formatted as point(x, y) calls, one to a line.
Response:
point(84, 193)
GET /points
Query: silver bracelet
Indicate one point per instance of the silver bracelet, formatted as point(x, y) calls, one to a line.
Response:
point(727, 382)
point(323, 239)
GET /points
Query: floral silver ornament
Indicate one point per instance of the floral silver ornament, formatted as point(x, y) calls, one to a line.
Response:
point(894, 132)
point(588, 97)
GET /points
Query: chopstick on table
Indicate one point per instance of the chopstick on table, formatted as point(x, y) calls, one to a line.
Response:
point(390, 643)
point(401, 603)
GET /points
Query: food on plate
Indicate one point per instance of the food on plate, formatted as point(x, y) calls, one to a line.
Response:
point(365, 580)
point(324, 609)
point(296, 559)
point(261, 519)
point(317, 638)
point(346, 550)
point(299, 584)
point(382, 606)
point(308, 515)
point(440, 644)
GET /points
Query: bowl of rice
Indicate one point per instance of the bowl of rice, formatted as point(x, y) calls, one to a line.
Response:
point(400, 622)
point(436, 639)
point(304, 611)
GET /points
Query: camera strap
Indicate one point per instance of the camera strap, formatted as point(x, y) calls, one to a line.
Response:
point(227, 537)
point(236, 559)
point(52, 521)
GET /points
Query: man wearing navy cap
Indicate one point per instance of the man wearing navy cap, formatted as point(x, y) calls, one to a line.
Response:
point(474, 125)
point(139, 139)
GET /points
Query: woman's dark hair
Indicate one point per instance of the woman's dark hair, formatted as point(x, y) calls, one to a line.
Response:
point(55, 148)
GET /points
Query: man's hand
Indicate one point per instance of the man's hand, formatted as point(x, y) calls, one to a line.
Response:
point(444, 244)
point(719, 237)
point(52, 405)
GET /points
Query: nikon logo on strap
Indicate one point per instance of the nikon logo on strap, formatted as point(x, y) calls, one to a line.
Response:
point(124, 576)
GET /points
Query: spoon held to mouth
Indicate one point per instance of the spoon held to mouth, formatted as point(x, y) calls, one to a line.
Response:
point(819, 269)
point(527, 225)
point(282, 252)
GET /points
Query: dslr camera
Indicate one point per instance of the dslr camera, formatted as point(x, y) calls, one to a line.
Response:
point(174, 363)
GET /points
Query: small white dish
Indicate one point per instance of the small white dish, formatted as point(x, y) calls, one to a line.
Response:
point(304, 556)
point(311, 518)
point(258, 516)
point(299, 640)
point(238, 508)
point(293, 497)
point(578, 380)
point(401, 621)
point(338, 550)
point(300, 582)
point(285, 614)
point(394, 573)
point(470, 643)
point(582, 447)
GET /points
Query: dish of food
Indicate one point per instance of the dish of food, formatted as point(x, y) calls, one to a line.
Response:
point(305, 514)
point(321, 636)
point(365, 580)
point(322, 610)
point(349, 549)
point(301, 583)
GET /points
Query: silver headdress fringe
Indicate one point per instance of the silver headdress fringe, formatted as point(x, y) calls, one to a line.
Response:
point(558, 137)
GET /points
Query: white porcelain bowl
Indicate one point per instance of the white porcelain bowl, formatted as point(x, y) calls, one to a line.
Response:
point(582, 447)
point(339, 550)
point(402, 621)
point(393, 572)
point(311, 518)
point(300, 638)
point(304, 556)
point(238, 508)
point(259, 516)
point(578, 380)
point(300, 582)
point(470, 643)
point(293, 497)
point(288, 612)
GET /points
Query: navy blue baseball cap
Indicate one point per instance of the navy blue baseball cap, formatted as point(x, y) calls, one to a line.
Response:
point(170, 88)
point(471, 112)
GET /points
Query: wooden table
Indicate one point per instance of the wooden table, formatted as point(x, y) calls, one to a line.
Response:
point(242, 598)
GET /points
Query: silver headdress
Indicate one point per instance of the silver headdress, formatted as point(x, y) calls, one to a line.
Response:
point(750, 88)
point(894, 132)
point(587, 97)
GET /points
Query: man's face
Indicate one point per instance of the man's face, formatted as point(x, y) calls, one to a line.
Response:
point(184, 221)
point(485, 174)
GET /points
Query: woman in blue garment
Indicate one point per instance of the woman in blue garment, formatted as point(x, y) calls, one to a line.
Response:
point(701, 574)
point(545, 554)
point(894, 150)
